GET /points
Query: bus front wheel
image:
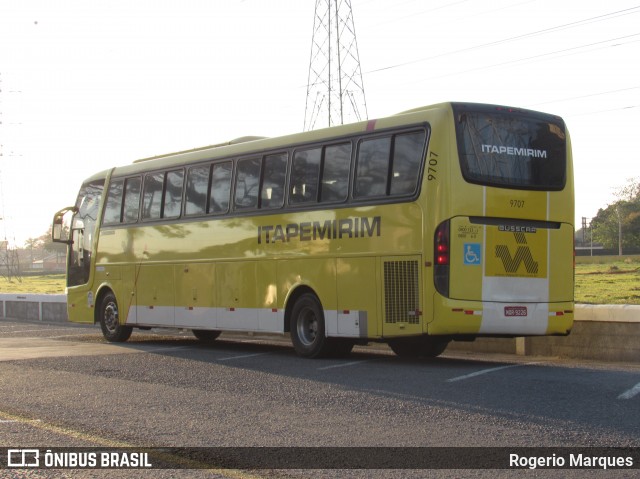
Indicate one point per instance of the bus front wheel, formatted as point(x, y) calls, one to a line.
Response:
point(307, 327)
point(112, 330)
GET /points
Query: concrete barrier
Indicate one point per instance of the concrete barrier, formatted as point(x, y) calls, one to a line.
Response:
point(600, 332)
point(41, 307)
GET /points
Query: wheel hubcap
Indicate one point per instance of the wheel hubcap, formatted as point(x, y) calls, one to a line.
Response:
point(111, 316)
point(307, 327)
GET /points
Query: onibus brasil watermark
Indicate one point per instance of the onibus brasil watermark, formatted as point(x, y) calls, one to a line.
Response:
point(80, 459)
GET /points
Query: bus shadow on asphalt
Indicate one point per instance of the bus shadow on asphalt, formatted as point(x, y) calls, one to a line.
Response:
point(252, 352)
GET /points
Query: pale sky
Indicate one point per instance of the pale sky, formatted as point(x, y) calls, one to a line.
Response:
point(87, 84)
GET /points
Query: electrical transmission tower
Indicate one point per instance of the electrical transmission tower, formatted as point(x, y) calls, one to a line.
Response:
point(335, 92)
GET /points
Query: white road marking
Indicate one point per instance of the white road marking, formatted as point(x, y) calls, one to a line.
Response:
point(634, 391)
point(344, 365)
point(230, 358)
point(486, 371)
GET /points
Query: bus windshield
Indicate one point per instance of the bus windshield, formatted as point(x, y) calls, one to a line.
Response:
point(83, 231)
point(503, 148)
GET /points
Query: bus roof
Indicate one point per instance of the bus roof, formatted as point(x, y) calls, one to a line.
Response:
point(235, 141)
point(256, 144)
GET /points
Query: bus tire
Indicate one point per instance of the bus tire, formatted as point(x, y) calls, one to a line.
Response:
point(206, 335)
point(112, 330)
point(421, 347)
point(434, 346)
point(308, 328)
point(406, 347)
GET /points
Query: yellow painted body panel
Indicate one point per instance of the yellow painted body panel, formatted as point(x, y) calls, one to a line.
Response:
point(363, 273)
point(228, 263)
point(79, 307)
point(516, 204)
point(195, 287)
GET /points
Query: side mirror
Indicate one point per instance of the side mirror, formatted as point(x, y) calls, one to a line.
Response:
point(61, 230)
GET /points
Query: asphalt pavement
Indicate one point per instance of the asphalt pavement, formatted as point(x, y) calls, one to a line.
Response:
point(62, 385)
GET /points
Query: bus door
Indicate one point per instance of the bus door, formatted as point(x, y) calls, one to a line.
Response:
point(76, 227)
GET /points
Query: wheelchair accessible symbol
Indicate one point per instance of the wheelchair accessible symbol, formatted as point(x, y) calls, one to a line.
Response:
point(472, 253)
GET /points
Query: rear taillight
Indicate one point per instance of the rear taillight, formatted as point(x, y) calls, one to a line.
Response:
point(441, 259)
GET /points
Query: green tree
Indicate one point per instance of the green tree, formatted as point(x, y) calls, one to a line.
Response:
point(618, 225)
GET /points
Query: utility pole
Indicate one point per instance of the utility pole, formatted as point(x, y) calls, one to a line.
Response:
point(335, 91)
point(9, 261)
point(618, 214)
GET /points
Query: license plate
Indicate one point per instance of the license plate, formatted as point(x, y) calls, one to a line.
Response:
point(510, 311)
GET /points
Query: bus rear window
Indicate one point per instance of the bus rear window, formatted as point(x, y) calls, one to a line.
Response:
point(524, 150)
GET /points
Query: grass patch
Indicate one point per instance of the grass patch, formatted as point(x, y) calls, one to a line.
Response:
point(42, 284)
point(612, 259)
point(614, 282)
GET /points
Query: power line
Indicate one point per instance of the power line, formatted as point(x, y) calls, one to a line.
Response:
point(596, 112)
point(558, 53)
point(532, 58)
point(598, 18)
point(422, 12)
point(584, 96)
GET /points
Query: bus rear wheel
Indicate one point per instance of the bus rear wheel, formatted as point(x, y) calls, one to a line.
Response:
point(308, 328)
point(206, 335)
point(421, 347)
point(112, 330)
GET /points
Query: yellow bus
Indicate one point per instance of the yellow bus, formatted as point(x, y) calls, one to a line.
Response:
point(447, 222)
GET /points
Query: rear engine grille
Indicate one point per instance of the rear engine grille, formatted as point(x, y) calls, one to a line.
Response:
point(401, 292)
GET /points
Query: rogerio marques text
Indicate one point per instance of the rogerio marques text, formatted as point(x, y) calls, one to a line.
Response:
point(578, 461)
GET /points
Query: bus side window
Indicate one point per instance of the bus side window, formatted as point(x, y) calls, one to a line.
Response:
point(152, 196)
point(335, 173)
point(247, 183)
point(196, 194)
point(372, 167)
point(305, 169)
point(220, 187)
point(113, 209)
point(131, 199)
point(408, 151)
point(275, 172)
point(173, 194)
